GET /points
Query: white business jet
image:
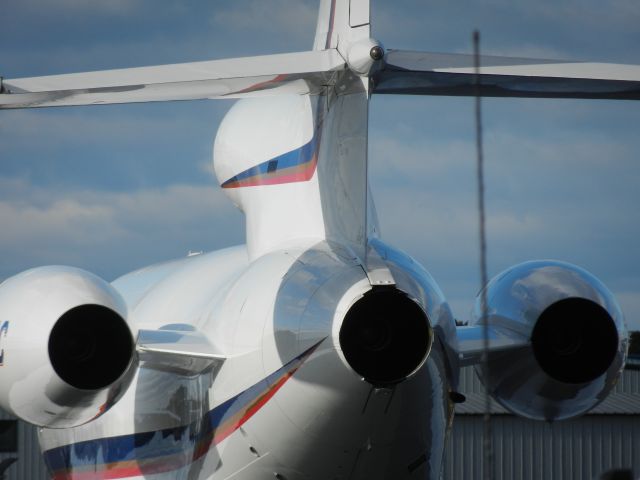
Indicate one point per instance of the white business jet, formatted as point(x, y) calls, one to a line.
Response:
point(316, 350)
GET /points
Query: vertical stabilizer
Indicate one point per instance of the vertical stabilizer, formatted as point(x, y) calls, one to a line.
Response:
point(297, 165)
point(340, 23)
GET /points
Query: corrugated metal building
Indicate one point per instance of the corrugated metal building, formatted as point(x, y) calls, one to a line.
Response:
point(19, 440)
point(606, 438)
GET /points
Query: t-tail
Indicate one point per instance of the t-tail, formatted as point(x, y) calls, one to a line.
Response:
point(297, 165)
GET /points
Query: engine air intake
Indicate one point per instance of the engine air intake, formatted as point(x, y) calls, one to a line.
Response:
point(385, 336)
point(575, 340)
point(90, 347)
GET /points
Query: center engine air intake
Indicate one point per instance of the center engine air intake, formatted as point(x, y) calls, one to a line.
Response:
point(385, 336)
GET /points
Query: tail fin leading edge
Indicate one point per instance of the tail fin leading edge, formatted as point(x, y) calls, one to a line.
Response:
point(341, 22)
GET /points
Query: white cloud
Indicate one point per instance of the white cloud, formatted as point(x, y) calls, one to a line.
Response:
point(287, 17)
point(419, 159)
point(64, 220)
point(572, 149)
point(112, 232)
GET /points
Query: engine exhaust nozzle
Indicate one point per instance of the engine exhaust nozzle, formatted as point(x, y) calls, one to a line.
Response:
point(385, 336)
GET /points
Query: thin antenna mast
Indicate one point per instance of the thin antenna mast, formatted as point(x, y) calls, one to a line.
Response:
point(487, 440)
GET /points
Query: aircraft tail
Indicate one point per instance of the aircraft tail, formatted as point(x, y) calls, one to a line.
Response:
point(341, 22)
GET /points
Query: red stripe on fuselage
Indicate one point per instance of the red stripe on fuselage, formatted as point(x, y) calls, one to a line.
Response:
point(298, 173)
point(152, 466)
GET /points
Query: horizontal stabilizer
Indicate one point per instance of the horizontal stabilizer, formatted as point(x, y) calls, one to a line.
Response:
point(297, 73)
point(421, 73)
point(471, 342)
point(177, 351)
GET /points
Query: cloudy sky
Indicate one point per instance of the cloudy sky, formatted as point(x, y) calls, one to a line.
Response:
point(114, 188)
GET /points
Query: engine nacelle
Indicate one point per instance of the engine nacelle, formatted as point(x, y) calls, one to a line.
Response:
point(67, 353)
point(578, 340)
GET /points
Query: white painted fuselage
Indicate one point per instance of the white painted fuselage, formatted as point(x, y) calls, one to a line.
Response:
point(285, 401)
